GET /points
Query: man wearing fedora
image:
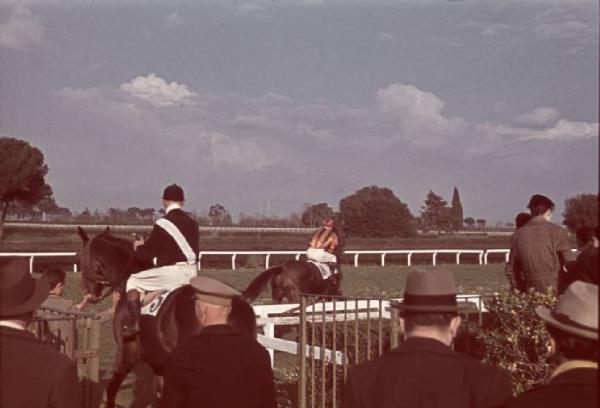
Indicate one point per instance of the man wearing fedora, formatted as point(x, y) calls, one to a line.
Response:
point(573, 328)
point(424, 371)
point(174, 242)
point(539, 250)
point(219, 367)
point(32, 375)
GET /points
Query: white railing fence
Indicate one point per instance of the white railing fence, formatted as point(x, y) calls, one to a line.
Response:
point(269, 316)
point(482, 255)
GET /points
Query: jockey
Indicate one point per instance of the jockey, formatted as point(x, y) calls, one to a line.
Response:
point(323, 246)
point(174, 243)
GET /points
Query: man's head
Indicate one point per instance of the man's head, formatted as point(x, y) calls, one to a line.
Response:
point(587, 237)
point(56, 280)
point(173, 194)
point(573, 323)
point(20, 294)
point(213, 300)
point(540, 205)
point(429, 308)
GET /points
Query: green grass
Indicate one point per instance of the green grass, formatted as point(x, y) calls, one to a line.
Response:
point(371, 281)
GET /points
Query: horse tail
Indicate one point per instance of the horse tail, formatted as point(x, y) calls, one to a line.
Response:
point(259, 283)
point(242, 316)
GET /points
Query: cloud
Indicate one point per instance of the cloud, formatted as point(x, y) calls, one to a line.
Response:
point(418, 114)
point(541, 116)
point(241, 154)
point(173, 20)
point(560, 24)
point(563, 130)
point(157, 91)
point(22, 29)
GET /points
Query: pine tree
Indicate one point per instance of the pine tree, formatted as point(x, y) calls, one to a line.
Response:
point(457, 210)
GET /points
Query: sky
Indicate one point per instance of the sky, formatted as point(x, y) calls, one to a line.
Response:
point(267, 105)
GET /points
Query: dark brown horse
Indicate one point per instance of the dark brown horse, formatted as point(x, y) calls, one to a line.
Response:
point(292, 279)
point(107, 262)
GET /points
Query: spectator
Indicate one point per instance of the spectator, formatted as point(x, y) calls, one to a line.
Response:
point(539, 250)
point(573, 328)
point(424, 371)
point(521, 219)
point(25, 362)
point(585, 267)
point(219, 367)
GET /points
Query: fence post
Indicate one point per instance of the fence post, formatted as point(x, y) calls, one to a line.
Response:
point(408, 258)
point(200, 261)
point(458, 258)
point(356, 260)
point(395, 327)
point(31, 264)
point(233, 261)
point(434, 258)
point(267, 261)
point(383, 259)
point(301, 355)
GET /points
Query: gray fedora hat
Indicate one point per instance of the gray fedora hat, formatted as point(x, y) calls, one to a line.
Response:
point(430, 291)
point(576, 311)
point(19, 292)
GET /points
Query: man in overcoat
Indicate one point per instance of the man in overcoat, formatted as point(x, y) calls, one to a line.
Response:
point(573, 328)
point(539, 250)
point(424, 371)
point(32, 375)
point(174, 242)
point(220, 367)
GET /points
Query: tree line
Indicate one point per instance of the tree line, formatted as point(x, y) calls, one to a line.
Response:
point(371, 211)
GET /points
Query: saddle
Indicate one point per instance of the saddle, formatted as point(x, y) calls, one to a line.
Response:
point(323, 269)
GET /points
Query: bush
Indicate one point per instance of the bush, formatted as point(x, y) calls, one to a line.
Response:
point(515, 337)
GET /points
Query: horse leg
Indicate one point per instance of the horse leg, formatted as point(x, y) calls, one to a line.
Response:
point(127, 357)
point(159, 382)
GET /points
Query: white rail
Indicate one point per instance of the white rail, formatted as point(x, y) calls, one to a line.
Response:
point(267, 319)
point(482, 255)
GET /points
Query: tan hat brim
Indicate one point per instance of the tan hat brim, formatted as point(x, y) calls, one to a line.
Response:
point(545, 314)
point(213, 299)
point(40, 293)
point(461, 306)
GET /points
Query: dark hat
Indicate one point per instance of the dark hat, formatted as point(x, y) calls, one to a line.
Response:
point(576, 311)
point(538, 200)
point(212, 291)
point(19, 292)
point(430, 291)
point(329, 223)
point(173, 193)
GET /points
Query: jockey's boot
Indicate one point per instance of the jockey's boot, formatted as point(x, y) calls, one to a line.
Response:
point(334, 272)
point(132, 323)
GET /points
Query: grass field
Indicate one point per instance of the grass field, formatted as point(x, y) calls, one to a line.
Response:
point(386, 282)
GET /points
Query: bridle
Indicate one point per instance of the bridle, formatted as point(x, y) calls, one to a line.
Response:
point(112, 286)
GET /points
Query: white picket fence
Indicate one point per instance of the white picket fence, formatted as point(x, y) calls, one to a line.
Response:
point(482, 255)
point(269, 316)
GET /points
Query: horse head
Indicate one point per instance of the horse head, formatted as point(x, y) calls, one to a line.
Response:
point(93, 268)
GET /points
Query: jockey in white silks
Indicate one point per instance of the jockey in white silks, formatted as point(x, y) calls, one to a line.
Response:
point(322, 248)
point(173, 242)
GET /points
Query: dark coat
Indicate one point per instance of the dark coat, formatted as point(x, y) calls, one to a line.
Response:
point(162, 246)
point(425, 373)
point(584, 268)
point(576, 388)
point(219, 368)
point(538, 252)
point(33, 375)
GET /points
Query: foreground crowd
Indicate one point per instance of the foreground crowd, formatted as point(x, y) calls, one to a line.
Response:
point(220, 367)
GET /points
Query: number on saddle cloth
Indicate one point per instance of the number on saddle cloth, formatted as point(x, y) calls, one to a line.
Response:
point(152, 308)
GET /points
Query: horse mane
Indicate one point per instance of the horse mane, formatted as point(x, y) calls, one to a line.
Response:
point(119, 244)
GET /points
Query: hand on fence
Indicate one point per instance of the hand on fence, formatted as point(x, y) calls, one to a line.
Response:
point(86, 299)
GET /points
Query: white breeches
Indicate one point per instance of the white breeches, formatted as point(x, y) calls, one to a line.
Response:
point(320, 255)
point(162, 278)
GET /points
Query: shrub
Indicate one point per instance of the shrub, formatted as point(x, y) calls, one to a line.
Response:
point(515, 338)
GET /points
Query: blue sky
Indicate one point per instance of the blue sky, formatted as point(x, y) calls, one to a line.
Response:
point(296, 102)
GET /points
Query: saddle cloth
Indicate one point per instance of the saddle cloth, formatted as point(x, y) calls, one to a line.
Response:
point(323, 268)
point(157, 299)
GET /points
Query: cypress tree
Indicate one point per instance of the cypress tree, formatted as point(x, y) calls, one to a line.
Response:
point(457, 210)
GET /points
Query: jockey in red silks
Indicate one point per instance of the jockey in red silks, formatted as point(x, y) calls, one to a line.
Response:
point(174, 243)
point(323, 247)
